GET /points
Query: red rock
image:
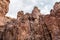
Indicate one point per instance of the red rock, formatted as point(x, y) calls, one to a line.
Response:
point(52, 23)
point(35, 12)
point(28, 26)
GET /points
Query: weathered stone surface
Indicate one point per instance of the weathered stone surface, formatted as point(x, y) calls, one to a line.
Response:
point(29, 26)
point(23, 26)
point(4, 6)
point(35, 12)
point(11, 30)
point(52, 23)
point(3, 9)
point(56, 6)
point(7, 29)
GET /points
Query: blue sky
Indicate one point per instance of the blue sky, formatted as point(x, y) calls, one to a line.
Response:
point(27, 5)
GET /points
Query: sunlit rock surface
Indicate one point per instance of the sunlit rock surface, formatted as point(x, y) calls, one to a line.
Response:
point(29, 26)
point(52, 22)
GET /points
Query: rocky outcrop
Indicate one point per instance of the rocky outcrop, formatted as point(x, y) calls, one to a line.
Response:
point(4, 6)
point(52, 22)
point(41, 27)
point(8, 27)
point(30, 26)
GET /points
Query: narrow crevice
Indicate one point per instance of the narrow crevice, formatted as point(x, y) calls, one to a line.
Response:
point(31, 20)
point(41, 19)
point(47, 34)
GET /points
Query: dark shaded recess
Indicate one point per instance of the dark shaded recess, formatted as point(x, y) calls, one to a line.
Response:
point(47, 34)
point(12, 31)
point(1, 35)
point(31, 19)
point(2, 32)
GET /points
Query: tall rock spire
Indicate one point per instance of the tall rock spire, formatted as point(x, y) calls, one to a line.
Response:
point(53, 22)
point(57, 6)
point(20, 15)
point(56, 9)
point(4, 6)
point(35, 12)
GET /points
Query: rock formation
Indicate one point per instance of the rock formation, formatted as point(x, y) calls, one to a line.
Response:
point(52, 22)
point(29, 26)
point(3, 19)
point(4, 4)
point(41, 27)
point(8, 27)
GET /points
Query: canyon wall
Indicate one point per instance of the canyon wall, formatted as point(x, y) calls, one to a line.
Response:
point(30, 26)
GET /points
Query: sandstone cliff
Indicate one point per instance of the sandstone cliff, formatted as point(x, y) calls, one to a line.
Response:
point(30, 26)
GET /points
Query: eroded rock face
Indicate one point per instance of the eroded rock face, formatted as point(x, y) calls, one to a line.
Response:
point(3, 10)
point(11, 30)
point(57, 6)
point(35, 12)
point(23, 26)
point(7, 29)
point(30, 26)
point(52, 23)
point(41, 27)
point(4, 6)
